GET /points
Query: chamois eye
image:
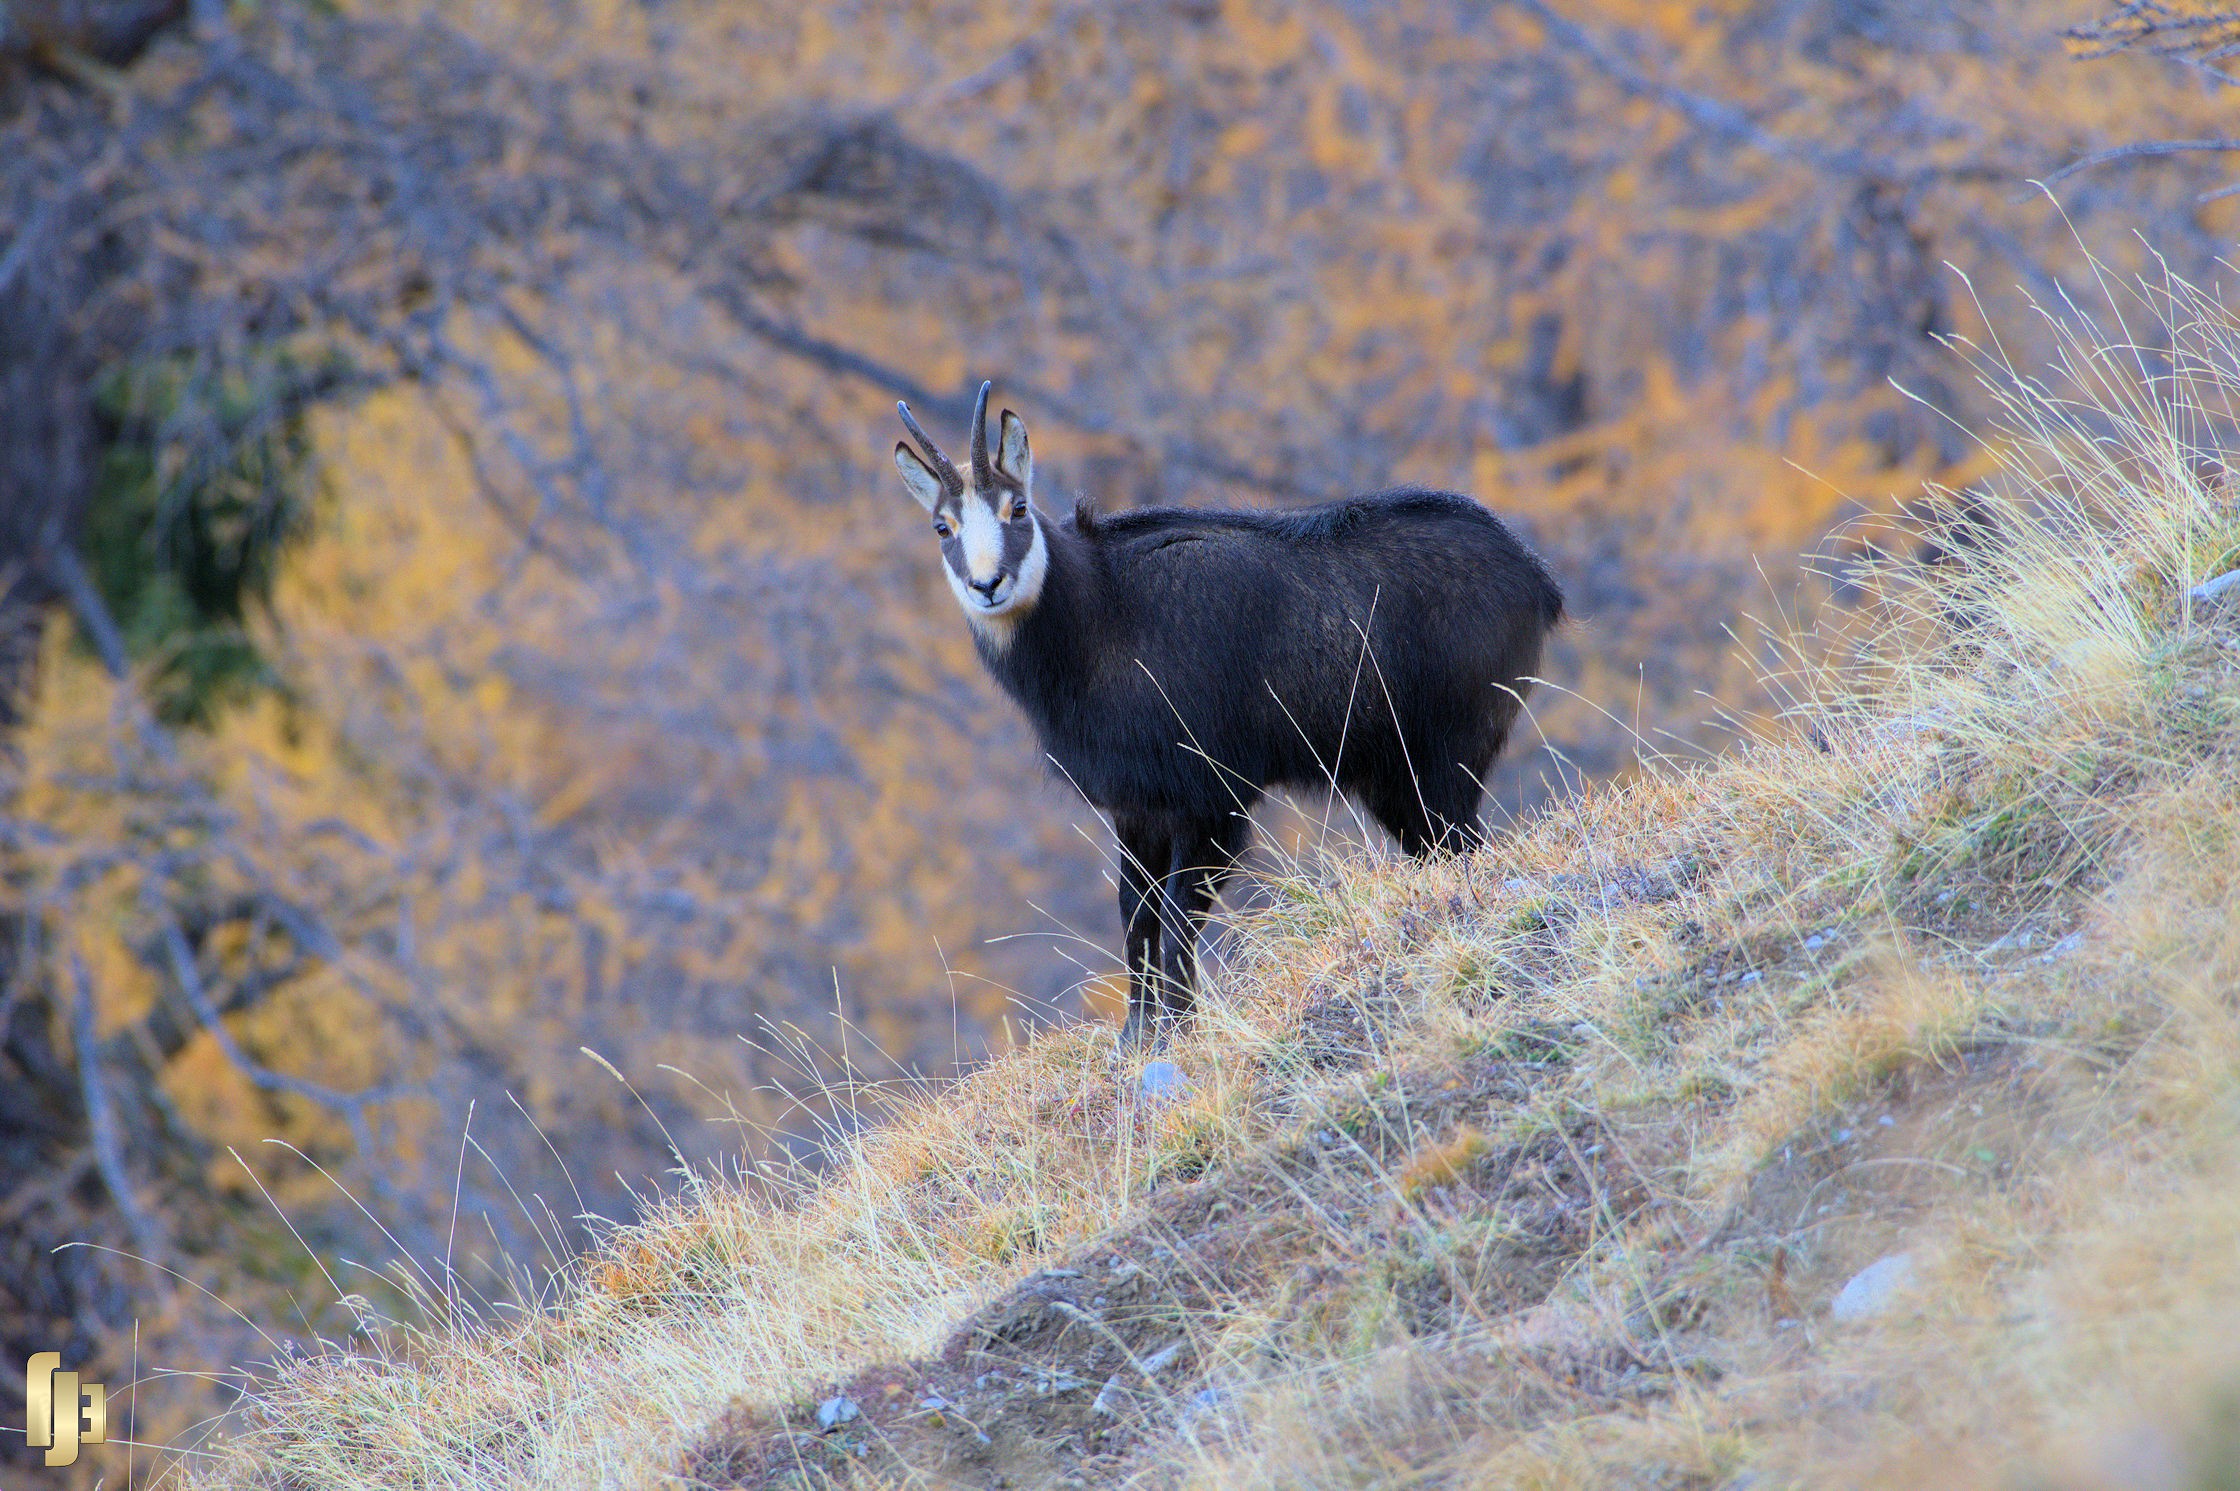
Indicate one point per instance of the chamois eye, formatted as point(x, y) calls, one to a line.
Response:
point(1019, 513)
point(941, 527)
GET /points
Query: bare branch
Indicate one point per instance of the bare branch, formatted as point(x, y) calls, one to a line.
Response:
point(101, 1117)
point(2143, 149)
point(189, 979)
point(92, 612)
point(1711, 115)
point(2199, 41)
point(21, 247)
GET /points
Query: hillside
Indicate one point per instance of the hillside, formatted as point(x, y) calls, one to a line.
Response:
point(474, 422)
point(1563, 1165)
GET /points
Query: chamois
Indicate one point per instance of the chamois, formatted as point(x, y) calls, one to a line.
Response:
point(1176, 663)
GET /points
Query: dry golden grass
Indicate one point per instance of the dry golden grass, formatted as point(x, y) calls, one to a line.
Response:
point(1541, 1168)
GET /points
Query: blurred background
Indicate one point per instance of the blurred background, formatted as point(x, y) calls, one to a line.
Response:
point(459, 609)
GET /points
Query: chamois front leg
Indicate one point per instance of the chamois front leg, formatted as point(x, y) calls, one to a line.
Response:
point(1143, 862)
point(1202, 859)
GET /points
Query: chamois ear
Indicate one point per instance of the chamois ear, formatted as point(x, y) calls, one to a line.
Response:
point(917, 476)
point(1013, 458)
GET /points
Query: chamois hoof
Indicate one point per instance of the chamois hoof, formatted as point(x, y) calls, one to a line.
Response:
point(1135, 1035)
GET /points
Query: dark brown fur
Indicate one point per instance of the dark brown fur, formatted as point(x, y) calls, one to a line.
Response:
point(1178, 663)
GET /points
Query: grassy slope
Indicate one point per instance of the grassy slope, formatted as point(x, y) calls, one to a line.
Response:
point(1542, 1168)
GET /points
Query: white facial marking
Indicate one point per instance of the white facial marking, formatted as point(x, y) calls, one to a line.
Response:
point(994, 616)
point(983, 540)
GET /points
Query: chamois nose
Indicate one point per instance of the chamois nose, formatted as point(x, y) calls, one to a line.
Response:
point(988, 586)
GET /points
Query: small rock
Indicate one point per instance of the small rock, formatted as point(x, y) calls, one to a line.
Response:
point(933, 1403)
point(833, 1412)
point(1109, 1399)
point(1515, 886)
point(1163, 1082)
point(1873, 1288)
point(1752, 976)
point(1162, 1359)
point(1886, 1121)
point(1814, 943)
point(1204, 1402)
point(2209, 590)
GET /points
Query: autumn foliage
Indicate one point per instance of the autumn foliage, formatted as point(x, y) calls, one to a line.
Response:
point(605, 692)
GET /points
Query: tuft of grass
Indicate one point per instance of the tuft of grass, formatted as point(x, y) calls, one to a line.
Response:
point(1441, 1162)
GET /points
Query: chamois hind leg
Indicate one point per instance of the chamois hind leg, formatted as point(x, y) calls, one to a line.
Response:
point(1144, 856)
point(1438, 811)
point(1204, 855)
point(1452, 796)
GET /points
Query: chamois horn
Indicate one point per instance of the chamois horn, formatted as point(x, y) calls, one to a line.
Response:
point(943, 467)
point(983, 475)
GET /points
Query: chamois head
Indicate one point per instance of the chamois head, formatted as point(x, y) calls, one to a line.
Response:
point(992, 546)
